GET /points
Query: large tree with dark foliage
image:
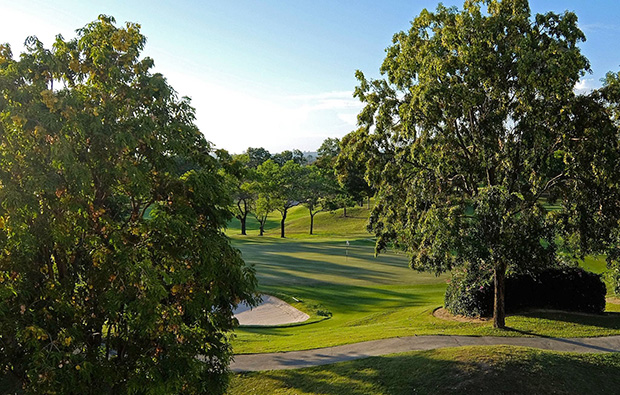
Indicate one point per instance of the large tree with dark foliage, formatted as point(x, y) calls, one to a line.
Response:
point(115, 276)
point(475, 122)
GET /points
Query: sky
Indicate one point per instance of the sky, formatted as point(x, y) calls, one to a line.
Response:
point(277, 74)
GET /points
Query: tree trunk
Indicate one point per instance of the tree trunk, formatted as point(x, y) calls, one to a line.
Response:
point(282, 223)
point(261, 229)
point(311, 221)
point(345, 211)
point(499, 312)
point(244, 215)
point(242, 220)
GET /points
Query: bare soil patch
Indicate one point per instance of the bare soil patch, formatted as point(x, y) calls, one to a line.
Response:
point(613, 300)
point(444, 314)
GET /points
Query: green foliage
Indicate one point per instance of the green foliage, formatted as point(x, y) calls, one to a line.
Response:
point(475, 121)
point(318, 191)
point(240, 179)
point(469, 292)
point(257, 156)
point(281, 186)
point(350, 165)
point(296, 156)
point(97, 296)
point(327, 154)
point(613, 277)
point(264, 205)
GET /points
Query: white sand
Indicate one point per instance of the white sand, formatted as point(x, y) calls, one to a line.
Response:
point(271, 311)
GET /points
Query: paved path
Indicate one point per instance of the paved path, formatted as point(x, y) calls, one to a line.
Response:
point(324, 356)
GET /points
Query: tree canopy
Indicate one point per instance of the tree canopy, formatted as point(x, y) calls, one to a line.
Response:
point(318, 191)
point(257, 156)
point(240, 179)
point(280, 186)
point(114, 271)
point(474, 123)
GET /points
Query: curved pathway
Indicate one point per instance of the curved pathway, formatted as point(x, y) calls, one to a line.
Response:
point(347, 352)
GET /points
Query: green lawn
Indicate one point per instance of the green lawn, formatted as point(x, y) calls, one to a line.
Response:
point(465, 370)
point(372, 298)
point(368, 298)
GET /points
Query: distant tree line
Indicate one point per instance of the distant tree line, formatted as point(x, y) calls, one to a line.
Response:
point(261, 182)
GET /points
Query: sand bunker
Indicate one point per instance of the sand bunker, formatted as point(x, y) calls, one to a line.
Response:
point(271, 311)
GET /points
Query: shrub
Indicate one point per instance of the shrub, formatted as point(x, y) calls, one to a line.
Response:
point(469, 293)
point(570, 289)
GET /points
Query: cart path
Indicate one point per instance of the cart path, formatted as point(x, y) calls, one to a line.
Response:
point(347, 352)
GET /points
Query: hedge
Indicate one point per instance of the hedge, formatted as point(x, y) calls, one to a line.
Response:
point(570, 289)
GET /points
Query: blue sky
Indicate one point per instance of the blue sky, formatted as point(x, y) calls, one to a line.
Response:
point(277, 74)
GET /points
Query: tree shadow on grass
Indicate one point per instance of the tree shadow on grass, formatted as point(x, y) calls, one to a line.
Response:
point(324, 263)
point(607, 320)
point(468, 370)
point(362, 299)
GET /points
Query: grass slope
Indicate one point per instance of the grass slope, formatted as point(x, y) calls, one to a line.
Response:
point(297, 225)
point(466, 370)
point(370, 297)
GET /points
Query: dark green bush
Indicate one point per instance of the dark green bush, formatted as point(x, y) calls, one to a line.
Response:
point(570, 289)
point(469, 292)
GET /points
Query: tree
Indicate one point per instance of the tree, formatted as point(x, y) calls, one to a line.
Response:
point(345, 186)
point(327, 153)
point(593, 209)
point(317, 190)
point(257, 156)
point(476, 122)
point(281, 185)
point(264, 206)
point(115, 274)
point(296, 156)
point(350, 170)
point(239, 177)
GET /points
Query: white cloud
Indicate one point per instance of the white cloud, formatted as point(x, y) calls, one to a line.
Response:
point(341, 100)
point(584, 86)
point(597, 27)
point(348, 118)
point(325, 95)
